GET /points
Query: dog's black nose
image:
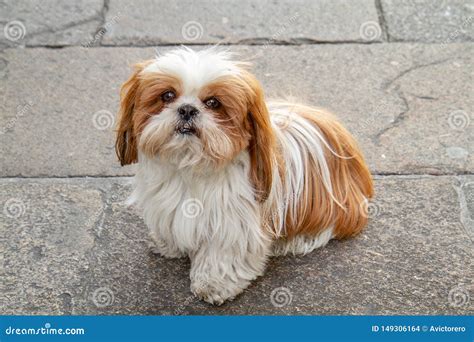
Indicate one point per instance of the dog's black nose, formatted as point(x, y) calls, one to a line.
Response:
point(187, 112)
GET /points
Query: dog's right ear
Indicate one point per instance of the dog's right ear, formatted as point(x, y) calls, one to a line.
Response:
point(126, 140)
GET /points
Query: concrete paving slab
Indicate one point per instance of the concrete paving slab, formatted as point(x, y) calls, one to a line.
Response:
point(72, 247)
point(431, 21)
point(50, 22)
point(410, 106)
point(147, 22)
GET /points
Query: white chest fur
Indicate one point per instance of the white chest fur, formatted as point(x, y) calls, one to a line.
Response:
point(187, 209)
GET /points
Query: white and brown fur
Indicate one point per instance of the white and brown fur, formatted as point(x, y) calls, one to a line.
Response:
point(267, 178)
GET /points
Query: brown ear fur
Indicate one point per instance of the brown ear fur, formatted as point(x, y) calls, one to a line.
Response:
point(126, 140)
point(262, 142)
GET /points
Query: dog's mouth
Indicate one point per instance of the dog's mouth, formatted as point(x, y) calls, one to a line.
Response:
point(186, 128)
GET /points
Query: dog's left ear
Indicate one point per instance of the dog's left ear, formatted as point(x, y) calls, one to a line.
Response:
point(262, 141)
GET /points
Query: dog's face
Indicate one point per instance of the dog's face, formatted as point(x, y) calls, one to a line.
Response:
point(197, 110)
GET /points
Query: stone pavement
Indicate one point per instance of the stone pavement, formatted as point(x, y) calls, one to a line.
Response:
point(399, 74)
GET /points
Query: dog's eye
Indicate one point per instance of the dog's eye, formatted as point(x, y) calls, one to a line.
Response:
point(168, 96)
point(212, 102)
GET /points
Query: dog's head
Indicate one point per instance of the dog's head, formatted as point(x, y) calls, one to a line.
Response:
point(198, 110)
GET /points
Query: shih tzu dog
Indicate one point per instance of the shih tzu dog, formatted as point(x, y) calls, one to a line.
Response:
point(228, 179)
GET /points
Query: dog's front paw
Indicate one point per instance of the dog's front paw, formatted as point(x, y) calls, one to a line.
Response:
point(159, 246)
point(217, 293)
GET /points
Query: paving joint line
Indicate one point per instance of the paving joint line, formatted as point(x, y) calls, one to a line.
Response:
point(382, 21)
point(375, 175)
point(95, 46)
point(99, 32)
point(315, 43)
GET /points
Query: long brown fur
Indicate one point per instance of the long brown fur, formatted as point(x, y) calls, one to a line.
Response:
point(351, 184)
point(126, 142)
point(262, 144)
point(247, 120)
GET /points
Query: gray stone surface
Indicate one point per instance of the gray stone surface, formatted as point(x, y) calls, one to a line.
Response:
point(410, 106)
point(49, 22)
point(68, 243)
point(440, 21)
point(147, 22)
point(72, 247)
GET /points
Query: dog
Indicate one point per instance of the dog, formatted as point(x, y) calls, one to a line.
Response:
point(228, 179)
